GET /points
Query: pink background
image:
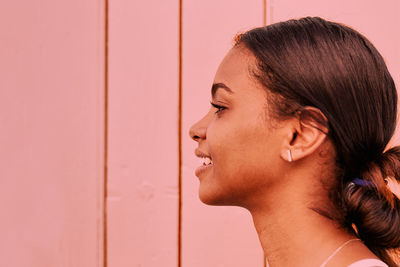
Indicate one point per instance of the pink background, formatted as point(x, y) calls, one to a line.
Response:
point(96, 155)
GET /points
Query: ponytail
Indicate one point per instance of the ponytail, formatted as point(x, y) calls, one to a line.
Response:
point(373, 210)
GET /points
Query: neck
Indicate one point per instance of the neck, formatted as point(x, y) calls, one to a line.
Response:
point(292, 234)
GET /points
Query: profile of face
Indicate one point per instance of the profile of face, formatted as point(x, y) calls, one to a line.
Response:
point(236, 133)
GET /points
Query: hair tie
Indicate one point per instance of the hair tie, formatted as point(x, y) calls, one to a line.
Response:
point(391, 184)
point(361, 182)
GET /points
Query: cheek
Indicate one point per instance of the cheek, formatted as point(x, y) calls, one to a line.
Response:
point(237, 137)
point(244, 163)
point(225, 144)
point(244, 150)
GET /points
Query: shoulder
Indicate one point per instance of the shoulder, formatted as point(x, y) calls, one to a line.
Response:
point(368, 263)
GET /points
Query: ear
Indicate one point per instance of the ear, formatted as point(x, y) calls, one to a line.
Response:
point(305, 134)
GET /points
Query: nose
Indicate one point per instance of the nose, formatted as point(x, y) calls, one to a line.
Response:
point(198, 130)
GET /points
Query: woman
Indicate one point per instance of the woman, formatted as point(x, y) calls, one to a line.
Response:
point(302, 113)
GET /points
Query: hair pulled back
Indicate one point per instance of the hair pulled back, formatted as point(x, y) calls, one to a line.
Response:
point(329, 66)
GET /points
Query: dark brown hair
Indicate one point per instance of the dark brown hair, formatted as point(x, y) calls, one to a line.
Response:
point(327, 65)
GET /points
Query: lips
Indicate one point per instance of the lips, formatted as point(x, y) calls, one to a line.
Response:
point(201, 154)
point(206, 162)
point(202, 169)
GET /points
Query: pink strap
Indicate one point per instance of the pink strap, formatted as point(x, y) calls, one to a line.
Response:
point(368, 263)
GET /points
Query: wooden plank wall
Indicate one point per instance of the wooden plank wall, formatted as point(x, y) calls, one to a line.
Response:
point(97, 136)
point(143, 133)
point(52, 125)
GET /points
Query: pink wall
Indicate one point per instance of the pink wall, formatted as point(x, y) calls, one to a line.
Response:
point(143, 133)
point(51, 114)
point(54, 116)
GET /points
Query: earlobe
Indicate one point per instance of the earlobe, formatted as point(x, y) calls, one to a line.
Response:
point(306, 136)
point(290, 159)
point(287, 155)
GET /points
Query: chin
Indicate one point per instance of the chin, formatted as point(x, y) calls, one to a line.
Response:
point(216, 198)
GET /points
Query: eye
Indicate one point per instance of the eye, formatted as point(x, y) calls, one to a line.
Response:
point(220, 108)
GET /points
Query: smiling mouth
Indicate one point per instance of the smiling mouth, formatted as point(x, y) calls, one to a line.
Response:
point(207, 161)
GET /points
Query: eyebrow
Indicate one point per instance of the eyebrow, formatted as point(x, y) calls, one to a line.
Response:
point(216, 86)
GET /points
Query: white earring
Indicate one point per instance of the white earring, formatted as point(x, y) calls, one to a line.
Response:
point(289, 155)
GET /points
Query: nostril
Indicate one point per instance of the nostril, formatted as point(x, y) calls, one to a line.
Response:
point(196, 132)
point(192, 133)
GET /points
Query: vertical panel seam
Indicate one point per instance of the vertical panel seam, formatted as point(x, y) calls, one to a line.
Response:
point(264, 12)
point(105, 181)
point(180, 138)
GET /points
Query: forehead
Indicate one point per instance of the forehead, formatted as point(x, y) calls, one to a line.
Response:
point(236, 63)
point(235, 71)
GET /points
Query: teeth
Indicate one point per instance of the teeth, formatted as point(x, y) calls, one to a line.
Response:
point(207, 161)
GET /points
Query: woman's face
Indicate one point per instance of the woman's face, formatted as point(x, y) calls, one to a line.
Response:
point(238, 136)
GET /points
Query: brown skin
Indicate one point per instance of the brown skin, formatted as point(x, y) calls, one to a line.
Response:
point(251, 169)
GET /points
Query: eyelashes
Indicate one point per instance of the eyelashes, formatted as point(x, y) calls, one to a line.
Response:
point(220, 108)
